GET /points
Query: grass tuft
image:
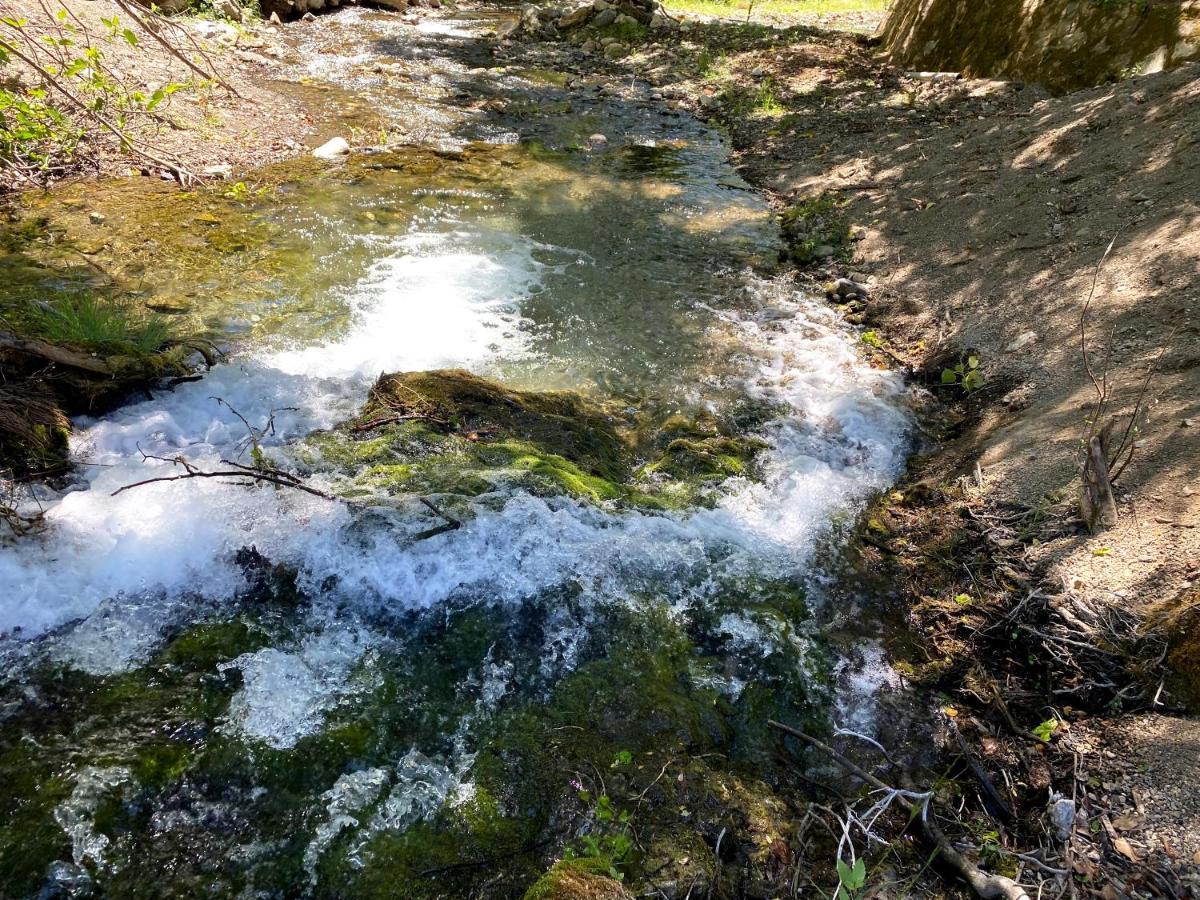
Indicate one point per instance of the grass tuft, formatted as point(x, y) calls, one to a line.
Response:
point(88, 319)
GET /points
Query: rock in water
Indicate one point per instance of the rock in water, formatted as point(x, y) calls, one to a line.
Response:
point(335, 148)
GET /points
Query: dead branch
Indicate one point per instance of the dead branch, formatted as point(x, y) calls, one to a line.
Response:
point(1097, 505)
point(153, 31)
point(246, 474)
point(70, 358)
point(988, 887)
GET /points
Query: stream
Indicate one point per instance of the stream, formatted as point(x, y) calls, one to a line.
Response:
point(223, 690)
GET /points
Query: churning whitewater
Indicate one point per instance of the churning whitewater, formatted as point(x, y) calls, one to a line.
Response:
point(117, 565)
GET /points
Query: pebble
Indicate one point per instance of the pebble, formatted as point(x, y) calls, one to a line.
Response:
point(597, 139)
point(96, 218)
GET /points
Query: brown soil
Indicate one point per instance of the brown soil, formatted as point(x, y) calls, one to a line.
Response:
point(199, 127)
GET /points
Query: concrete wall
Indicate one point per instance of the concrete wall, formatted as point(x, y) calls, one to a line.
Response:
point(1064, 44)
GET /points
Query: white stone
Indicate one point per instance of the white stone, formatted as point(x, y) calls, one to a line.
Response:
point(332, 149)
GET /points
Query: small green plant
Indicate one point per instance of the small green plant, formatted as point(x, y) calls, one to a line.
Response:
point(1046, 729)
point(611, 843)
point(90, 320)
point(872, 339)
point(851, 878)
point(244, 193)
point(816, 227)
point(964, 600)
point(966, 374)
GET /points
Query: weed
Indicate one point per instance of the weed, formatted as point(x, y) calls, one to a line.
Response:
point(87, 319)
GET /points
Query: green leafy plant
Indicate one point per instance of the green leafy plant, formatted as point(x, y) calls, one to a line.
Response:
point(966, 374)
point(872, 339)
point(851, 878)
point(611, 843)
point(1046, 729)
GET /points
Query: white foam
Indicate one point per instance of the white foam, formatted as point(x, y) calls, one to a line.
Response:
point(435, 300)
point(285, 695)
point(429, 303)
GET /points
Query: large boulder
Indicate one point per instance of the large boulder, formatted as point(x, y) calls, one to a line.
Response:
point(1063, 44)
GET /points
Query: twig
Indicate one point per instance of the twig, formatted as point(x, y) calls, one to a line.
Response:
point(988, 887)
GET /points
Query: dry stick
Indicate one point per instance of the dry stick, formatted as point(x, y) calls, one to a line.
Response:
point(1102, 392)
point(174, 51)
point(989, 887)
point(1136, 409)
point(184, 176)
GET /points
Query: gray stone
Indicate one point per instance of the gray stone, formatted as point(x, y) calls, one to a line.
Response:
point(605, 17)
point(615, 50)
point(96, 218)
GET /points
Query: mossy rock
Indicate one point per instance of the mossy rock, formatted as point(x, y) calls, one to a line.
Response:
point(450, 432)
point(557, 422)
point(578, 879)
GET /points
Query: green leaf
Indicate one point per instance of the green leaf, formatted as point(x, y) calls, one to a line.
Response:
point(1046, 729)
point(949, 376)
point(973, 362)
point(623, 758)
point(130, 38)
point(858, 874)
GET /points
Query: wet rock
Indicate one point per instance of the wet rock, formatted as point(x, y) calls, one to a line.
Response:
point(597, 140)
point(507, 29)
point(335, 148)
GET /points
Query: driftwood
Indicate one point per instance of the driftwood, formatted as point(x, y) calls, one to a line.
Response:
point(72, 359)
point(988, 887)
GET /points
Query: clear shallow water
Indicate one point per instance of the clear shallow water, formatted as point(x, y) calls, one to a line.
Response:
point(629, 271)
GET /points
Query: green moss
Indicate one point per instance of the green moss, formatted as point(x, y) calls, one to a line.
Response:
point(577, 879)
point(450, 432)
point(202, 647)
point(710, 458)
point(558, 423)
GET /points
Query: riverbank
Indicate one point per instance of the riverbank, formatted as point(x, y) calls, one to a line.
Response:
point(933, 194)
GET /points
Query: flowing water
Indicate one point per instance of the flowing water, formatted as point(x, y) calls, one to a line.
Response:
point(249, 691)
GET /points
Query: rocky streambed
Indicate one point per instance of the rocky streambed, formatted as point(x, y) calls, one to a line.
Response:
point(576, 462)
